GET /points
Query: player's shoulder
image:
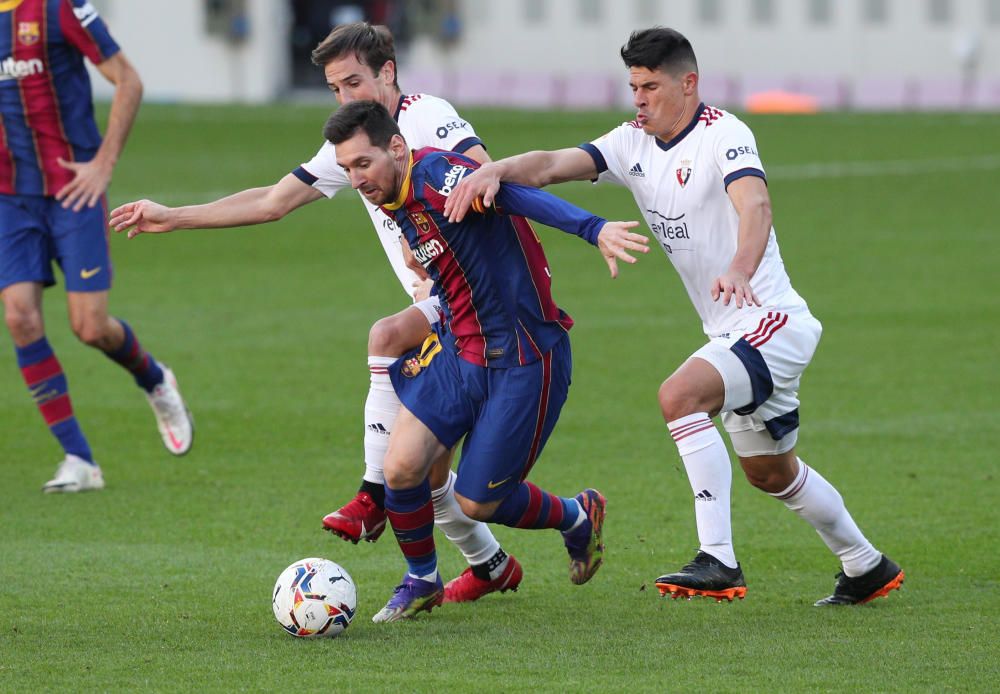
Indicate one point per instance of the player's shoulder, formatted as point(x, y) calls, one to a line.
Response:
point(718, 121)
point(411, 105)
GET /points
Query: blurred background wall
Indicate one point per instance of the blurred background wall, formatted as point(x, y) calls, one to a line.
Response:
point(839, 54)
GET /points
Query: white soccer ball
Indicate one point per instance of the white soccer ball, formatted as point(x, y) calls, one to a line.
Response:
point(314, 597)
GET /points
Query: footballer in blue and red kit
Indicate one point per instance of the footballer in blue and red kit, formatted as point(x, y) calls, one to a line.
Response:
point(54, 172)
point(47, 114)
point(499, 371)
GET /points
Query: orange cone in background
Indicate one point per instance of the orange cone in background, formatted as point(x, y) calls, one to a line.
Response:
point(778, 101)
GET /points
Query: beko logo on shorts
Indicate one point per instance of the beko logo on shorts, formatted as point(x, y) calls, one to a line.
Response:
point(452, 178)
point(740, 151)
point(428, 251)
point(443, 131)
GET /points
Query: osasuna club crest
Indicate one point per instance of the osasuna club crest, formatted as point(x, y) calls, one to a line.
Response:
point(28, 33)
point(684, 173)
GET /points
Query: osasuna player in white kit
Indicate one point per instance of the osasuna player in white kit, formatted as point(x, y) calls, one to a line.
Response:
point(696, 177)
point(359, 63)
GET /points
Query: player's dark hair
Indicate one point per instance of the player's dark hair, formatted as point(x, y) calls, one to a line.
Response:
point(371, 44)
point(659, 48)
point(371, 117)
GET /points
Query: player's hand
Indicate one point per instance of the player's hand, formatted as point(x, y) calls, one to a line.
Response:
point(482, 185)
point(142, 217)
point(422, 289)
point(615, 240)
point(411, 262)
point(90, 181)
point(734, 285)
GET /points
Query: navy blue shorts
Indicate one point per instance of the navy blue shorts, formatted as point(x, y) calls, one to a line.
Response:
point(506, 415)
point(36, 230)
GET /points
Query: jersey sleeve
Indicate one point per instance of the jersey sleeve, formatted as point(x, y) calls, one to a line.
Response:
point(84, 29)
point(610, 154)
point(435, 123)
point(323, 173)
point(735, 151)
point(550, 210)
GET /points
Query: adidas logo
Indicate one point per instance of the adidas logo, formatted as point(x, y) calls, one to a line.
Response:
point(378, 428)
point(704, 495)
point(636, 170)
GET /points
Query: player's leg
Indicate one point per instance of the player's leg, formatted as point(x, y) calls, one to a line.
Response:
point(49, 388)
point(363, 518)
point(866, 573)
point(764, 435)
point(688, 400)
point(509, 434)
point(490, 568)
point(81, 245)
point(114, 337)
point(413, 449)
point(25, 267)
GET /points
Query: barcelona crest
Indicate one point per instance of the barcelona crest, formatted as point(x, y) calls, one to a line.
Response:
point(414, 365)
point(28, 33)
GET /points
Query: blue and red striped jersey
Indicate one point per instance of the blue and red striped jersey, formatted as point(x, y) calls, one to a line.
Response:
point(490, 271)
point(46, 103)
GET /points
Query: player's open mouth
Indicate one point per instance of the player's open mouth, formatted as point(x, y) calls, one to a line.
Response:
point(641, 118)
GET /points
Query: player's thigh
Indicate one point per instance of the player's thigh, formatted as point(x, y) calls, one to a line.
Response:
point(429, 384)
point(80, 242)
point(768, 423)
point(513, 426)
point(402, 331)
point(413, 449)
point(26, 250)
point(696, 386)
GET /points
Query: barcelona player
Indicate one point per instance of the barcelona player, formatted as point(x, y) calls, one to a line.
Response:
point(359, 62)
point(54, 172)
point(498, 374)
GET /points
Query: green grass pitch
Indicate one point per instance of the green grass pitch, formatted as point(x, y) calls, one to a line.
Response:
point(888, 224)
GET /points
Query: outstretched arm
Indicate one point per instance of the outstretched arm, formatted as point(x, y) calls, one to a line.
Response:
point(613, 238)
point(92, 178)
point(536, 169)
point(252, 206)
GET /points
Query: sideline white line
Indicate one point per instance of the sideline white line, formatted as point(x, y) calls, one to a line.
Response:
point(889, 167)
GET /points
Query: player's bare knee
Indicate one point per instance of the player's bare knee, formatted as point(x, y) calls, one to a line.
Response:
point(24, 323)
point(476, 510)
point(768, 478)
point(401, 473)
point(676, 401)
point(384, 338)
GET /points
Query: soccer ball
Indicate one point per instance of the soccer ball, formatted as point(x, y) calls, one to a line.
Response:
point(314, 597)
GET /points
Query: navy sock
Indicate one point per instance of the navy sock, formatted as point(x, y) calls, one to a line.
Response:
point(47, 384)
point(139, 363)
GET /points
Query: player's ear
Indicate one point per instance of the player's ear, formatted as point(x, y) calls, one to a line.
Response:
point(690, 83)
point(388, 72)
point(398, 147)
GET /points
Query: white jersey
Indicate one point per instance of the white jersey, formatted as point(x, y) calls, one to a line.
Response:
point(425, 121)
point(680, 188)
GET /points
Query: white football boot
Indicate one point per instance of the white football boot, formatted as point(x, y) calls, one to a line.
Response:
point(173, 418)
point(75, 474)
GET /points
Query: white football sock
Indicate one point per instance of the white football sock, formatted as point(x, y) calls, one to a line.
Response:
point(813, 498)
point(473, 538)
point(710, 474)
point(381, 409)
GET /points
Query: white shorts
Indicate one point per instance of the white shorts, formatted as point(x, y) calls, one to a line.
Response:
point(431, 308)
point(761, 368)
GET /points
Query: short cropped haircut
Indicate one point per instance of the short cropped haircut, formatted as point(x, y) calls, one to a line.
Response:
point(372, 45)
point(659, 48)
point(370, 117)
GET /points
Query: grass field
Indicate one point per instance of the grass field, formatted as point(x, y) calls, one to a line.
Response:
point(888, 224)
